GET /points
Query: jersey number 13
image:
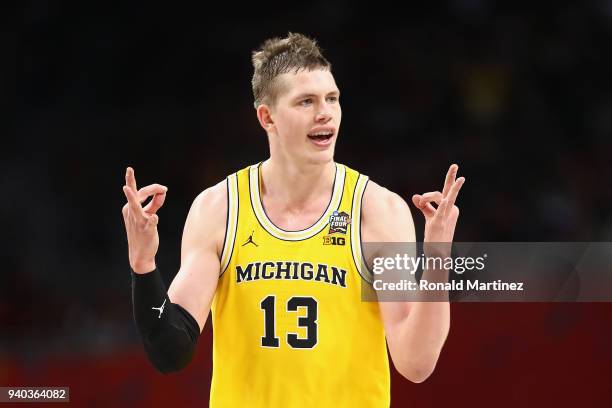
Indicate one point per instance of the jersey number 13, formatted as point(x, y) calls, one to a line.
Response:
point(309, 322)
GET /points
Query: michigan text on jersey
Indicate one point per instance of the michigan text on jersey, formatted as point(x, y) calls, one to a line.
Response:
point(291, 270)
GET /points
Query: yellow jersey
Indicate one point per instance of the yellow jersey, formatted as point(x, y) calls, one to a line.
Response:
point(289, 326)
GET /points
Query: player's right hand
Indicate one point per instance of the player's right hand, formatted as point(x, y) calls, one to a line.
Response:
point(141, 223)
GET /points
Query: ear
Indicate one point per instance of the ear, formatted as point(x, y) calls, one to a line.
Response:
point(264, 115)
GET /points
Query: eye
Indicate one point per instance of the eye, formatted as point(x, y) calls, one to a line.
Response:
point(332, 99)
point(306, 102)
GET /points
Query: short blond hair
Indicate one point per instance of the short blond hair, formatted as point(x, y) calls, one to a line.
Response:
point(278, 56)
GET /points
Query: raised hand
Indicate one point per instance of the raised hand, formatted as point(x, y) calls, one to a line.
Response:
point(440, 222)
point(141, 223)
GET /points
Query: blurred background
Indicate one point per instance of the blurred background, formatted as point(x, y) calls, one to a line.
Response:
point(519, 97)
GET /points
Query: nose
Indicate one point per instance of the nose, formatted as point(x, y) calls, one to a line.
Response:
point(323, 116)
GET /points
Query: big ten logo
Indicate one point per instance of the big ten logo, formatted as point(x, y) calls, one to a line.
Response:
point(329, 240)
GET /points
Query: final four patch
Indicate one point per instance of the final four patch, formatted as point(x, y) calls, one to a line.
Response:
point(338, 222)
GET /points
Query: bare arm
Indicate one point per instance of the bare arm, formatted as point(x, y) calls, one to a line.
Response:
point(196, 281)
point(415, 331)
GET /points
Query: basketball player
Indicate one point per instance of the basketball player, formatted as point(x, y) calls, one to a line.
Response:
point(275, 249)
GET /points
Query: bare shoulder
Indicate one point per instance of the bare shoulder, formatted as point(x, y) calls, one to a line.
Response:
point(385, 215)
point(212, 201)
point(377, 198)
point(205, 225)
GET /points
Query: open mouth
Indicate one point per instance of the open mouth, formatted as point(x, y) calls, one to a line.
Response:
point(321, 136)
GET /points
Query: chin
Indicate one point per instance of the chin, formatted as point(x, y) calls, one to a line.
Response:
point(321, 158)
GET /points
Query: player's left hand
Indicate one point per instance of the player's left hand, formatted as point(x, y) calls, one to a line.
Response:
point(440, 222)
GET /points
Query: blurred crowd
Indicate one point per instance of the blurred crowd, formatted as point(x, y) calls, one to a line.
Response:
point(520, 98)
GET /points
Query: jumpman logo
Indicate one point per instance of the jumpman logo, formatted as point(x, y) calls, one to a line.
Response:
point(161, 309)
point(250, 240)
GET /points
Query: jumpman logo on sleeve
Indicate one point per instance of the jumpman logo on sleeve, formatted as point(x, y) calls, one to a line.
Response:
point(161, 309)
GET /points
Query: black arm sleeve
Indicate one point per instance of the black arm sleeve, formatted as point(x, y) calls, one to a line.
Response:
point(169, 333)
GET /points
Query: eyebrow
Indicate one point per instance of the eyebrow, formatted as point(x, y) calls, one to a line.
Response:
point(304, 95)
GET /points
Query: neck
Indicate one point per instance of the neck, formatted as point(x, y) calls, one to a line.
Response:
point(293, 185)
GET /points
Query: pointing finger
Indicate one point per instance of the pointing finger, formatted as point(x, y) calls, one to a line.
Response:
point(450, 178)
point(130, 179)
point(454, 191)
